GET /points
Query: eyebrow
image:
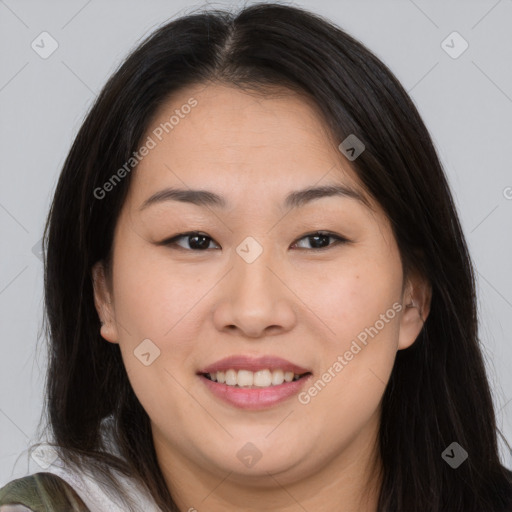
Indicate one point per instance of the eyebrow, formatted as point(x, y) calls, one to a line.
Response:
point(295, 199)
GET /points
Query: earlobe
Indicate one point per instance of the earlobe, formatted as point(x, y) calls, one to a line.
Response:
point(417, 299)
point(103, 303)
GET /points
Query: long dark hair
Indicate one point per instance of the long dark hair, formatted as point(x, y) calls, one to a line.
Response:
point(438, 392)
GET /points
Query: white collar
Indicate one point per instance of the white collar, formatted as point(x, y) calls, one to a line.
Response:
point(93, 495)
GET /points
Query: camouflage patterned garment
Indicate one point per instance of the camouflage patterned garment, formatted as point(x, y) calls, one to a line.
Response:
point(41, 492)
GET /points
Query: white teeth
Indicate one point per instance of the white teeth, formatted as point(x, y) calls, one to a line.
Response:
point(277, 377)
point(288, 376)
point(231, 378)
point(246, 378)
point(263, 378)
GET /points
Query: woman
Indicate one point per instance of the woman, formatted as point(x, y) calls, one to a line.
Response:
point(258, 292)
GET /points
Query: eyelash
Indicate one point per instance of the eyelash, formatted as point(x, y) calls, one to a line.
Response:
point(170, 242)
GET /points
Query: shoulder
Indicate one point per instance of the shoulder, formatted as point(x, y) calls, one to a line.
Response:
point(38, 493)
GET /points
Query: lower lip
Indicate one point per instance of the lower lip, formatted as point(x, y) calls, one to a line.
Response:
point(255, 398)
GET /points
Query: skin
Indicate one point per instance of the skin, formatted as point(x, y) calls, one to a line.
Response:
point(304, 304)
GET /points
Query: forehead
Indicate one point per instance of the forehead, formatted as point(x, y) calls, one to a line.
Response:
point(233, 140)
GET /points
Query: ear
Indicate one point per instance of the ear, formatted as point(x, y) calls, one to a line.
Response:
point(416, 300)
point(103, 303)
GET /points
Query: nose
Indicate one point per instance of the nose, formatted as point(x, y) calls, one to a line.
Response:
point(256, 301)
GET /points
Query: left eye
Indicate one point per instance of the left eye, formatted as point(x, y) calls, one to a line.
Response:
point(200, 242)
point(320, 240)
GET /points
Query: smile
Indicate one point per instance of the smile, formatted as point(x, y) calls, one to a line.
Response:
point(246, 378)
point(249, 382)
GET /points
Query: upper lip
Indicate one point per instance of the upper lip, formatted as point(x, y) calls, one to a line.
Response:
point(254, 364)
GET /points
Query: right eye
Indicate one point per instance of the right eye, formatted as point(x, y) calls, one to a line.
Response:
point(195, 240)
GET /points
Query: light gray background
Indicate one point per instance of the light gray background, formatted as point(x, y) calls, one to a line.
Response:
point(466, 103)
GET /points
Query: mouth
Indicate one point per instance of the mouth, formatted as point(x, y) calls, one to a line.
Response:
point(254, 380)
point(254, 383)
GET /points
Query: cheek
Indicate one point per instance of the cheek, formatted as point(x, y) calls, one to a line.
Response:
point(358, 351)
point(151, 303)
point(350, 294)
point(151, 295)
point(356, 304)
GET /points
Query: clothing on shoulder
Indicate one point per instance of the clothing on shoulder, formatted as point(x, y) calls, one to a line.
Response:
point(40, 492)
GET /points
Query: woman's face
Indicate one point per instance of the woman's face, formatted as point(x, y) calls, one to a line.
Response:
point(254, 286)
